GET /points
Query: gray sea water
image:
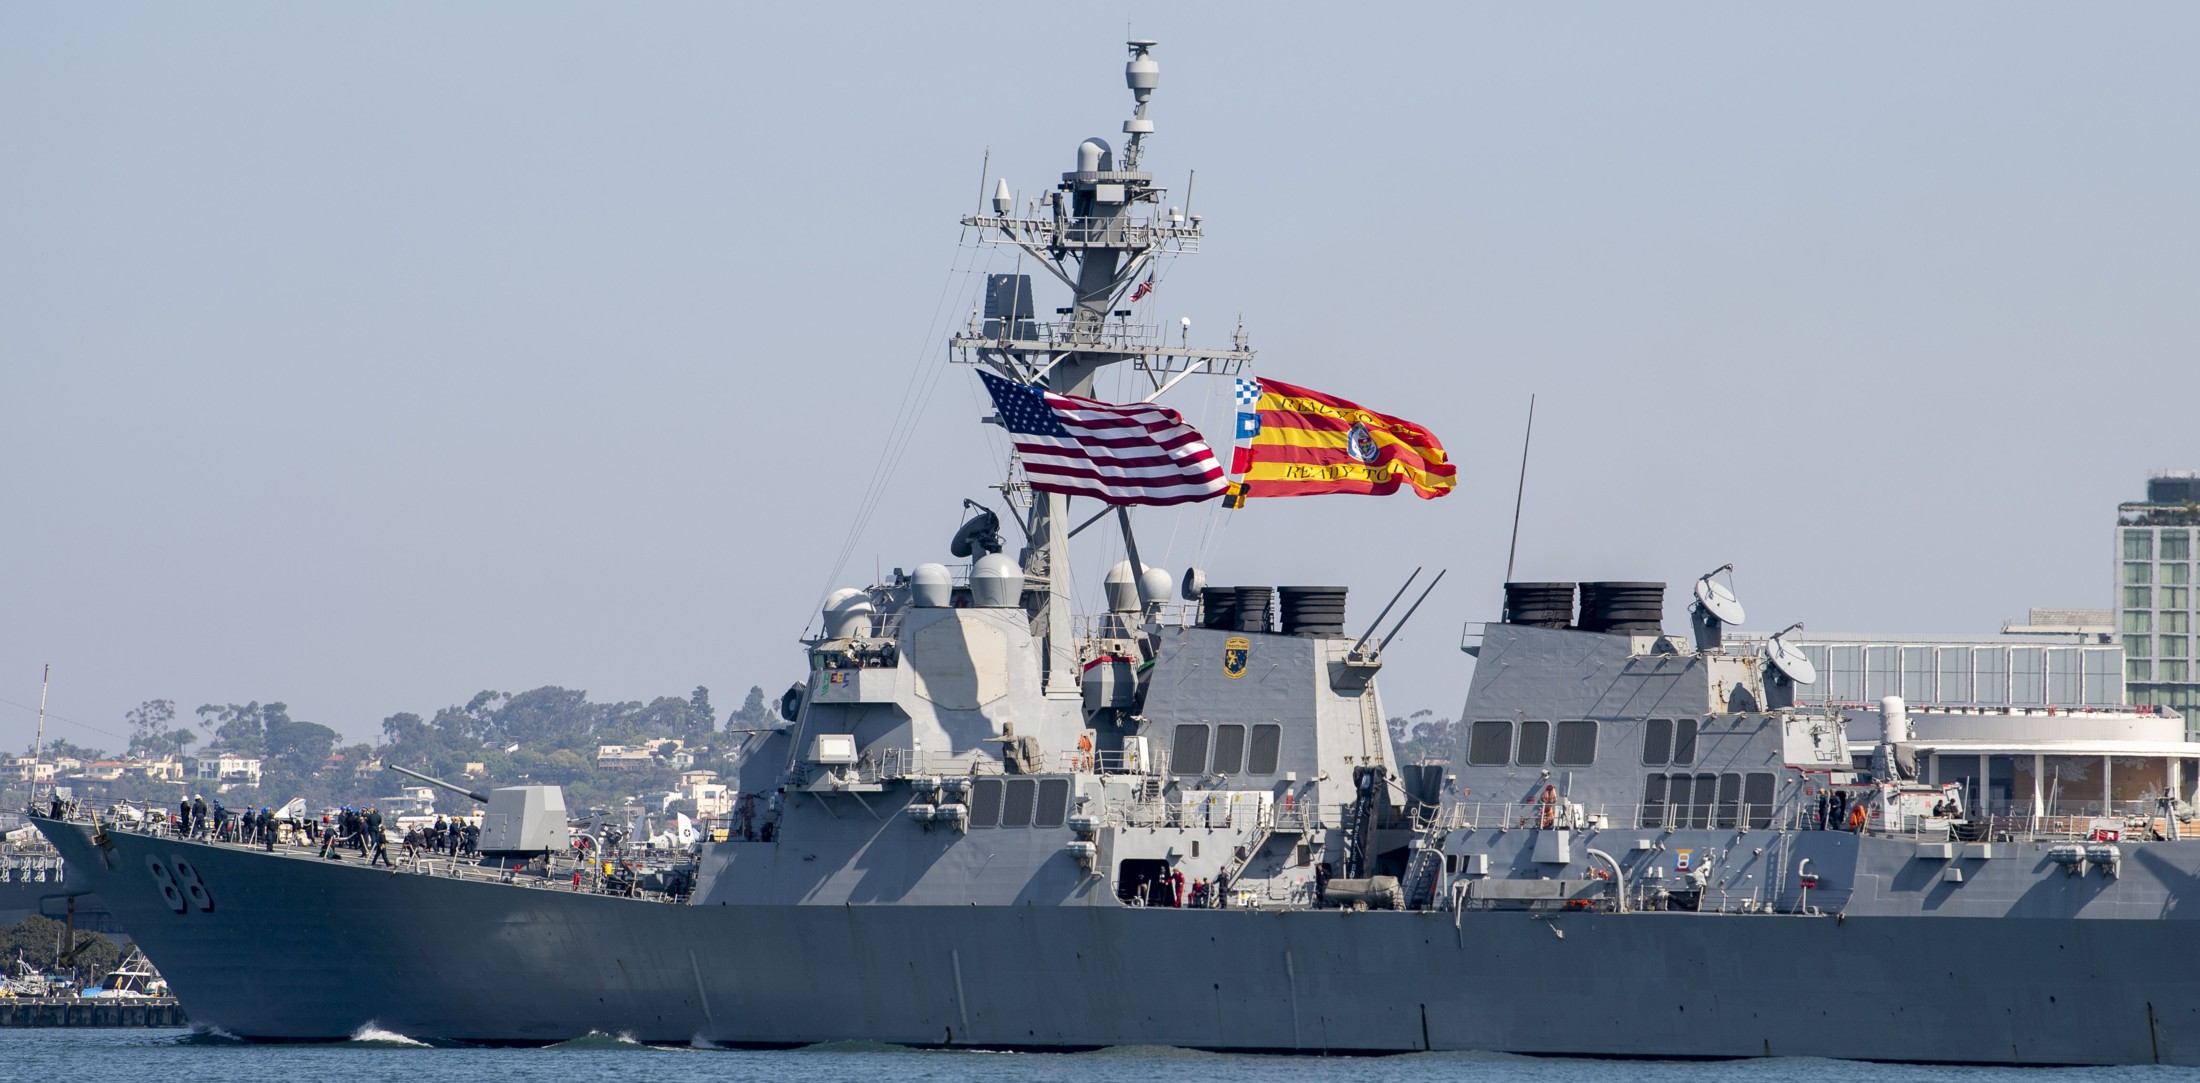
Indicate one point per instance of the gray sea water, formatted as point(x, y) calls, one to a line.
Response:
point(180, 1056)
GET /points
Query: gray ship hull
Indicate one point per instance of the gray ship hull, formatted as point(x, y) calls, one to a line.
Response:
point(299, 950)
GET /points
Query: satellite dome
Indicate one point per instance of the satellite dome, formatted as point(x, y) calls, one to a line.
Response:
point(1158, 582)
point(996, 583)
point(932, 587)
point(1095, 156)
point(1122, 588)
point(847, 613)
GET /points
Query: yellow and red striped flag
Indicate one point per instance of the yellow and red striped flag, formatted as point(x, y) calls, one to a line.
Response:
point(1296, 442)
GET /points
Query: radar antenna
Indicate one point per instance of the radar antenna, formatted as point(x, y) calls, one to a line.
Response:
point(979, 535)
point(1788, 659)
point(1099, 232)
point(1715, 607)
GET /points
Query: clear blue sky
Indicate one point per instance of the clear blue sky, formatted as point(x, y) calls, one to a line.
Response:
point(364, 357)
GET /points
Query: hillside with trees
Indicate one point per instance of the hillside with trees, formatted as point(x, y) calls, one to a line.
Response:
point(547, 734)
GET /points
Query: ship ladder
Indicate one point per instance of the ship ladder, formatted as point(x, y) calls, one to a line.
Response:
point(1428, 860)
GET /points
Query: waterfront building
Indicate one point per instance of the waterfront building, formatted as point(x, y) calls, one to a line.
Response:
point(2154, 593)
point(2041, 665)
point(2035, 721)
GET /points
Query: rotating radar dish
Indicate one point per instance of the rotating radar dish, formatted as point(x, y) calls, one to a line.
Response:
point(979, 536)
point(1789, 659)
point(1718, 599)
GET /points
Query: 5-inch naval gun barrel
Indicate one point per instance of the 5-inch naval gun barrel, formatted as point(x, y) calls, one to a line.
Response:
point(454, 788)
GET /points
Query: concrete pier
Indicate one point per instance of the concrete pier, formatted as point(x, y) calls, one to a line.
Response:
point(90, 1012)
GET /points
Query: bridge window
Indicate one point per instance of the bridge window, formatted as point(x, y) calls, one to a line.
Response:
point(1653, 801)
point(1757, 791)
point(1230, 749)
point(1021, 802)
point(1576, 745)
point(1190, 753)
point(1684, 741)
point(1657, 742)
point(1699, 810)
point(986, 795)
point(1535, 742)
point(1730, 801)
point(1489, 744)
point(1680, 787)
point(1266, 748)
point(1053, 802)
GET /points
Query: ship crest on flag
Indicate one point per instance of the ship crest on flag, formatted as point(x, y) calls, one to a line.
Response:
point(1360, 443)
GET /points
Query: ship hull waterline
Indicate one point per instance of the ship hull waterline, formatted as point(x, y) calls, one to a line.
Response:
point(306, 950)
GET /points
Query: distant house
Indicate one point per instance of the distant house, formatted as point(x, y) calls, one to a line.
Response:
point(165, 769)
point(104, 770)
point(691, 779)
point(31, 769)
point(475, 769)
point(408, 801)
point(370, 766)
point(623, 756)
point(223, 765)
point(711, 799)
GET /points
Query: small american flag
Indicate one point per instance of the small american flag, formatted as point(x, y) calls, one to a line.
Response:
point(1134, 453)
point(1139, 291)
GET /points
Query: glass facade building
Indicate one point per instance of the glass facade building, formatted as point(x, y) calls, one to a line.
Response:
point(2067, 672)
point(2154, 586)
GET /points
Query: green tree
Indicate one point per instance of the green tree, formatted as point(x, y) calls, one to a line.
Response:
point(237, 726)
point(37, 937)
point(58, 748)
point(153, 732)
point(753, 714)
point(403, 728)
point(297, 751)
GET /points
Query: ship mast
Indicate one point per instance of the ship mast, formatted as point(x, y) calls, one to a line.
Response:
point(1099, 232)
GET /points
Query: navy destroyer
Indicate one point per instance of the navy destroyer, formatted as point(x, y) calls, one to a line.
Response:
point(990, 821)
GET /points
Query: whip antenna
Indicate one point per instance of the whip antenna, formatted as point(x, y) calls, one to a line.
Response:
point(1521, 491)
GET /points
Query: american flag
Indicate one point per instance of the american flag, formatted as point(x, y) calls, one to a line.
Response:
point(1139, 292)
point(1136, 453)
